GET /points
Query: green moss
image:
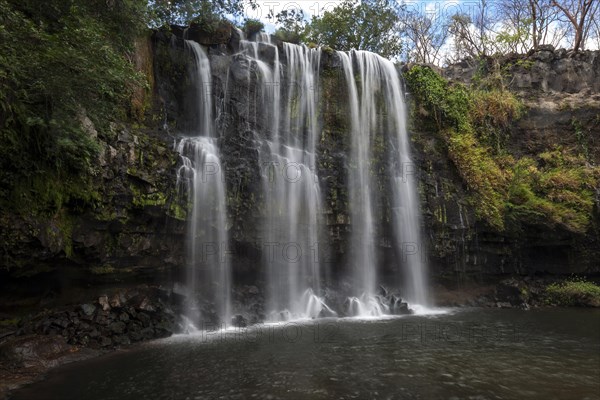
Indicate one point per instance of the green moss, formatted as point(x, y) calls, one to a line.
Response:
point(142, 200)
point(573, 292)
point(4, 323)
point(177, 211)
point(328, 50)
point(557, 189)
point(440, 214)
point(47, 193)
point(103, 270)
point(554, 188)
point(524, 293)
point(451, 107)
point(65, 226)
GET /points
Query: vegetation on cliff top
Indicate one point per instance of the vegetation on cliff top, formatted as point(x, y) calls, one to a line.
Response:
point(555, 187)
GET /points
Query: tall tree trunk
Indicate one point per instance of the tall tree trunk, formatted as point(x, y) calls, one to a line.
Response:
point(534, 24)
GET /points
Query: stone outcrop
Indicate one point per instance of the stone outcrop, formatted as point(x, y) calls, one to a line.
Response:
point(115, 318)
point(561, 94)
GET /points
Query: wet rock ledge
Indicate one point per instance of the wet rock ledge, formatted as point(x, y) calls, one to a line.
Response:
point(78, 332)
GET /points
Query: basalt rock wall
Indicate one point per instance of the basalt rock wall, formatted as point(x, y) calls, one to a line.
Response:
point(137, 231)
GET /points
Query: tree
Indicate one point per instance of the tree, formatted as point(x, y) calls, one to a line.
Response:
point(472, 36)
point(292, 25)
point(580, 14)
point(371, 25)
point(425, 37)
point(182, 12)
point(595, 34)
point(528, 24)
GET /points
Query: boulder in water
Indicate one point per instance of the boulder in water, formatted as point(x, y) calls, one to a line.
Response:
point(239, 321)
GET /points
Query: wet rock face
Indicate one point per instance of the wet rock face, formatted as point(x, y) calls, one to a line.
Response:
point(561, 94)
point(136, 235)
point(130, 316)
point(457, 246)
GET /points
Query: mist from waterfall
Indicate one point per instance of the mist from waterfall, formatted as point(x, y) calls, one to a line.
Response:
point(200, 181)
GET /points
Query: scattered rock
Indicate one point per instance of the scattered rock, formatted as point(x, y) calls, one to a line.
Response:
point(88, 309)
point(117, 327)
point(147, 306)
point(102, 325)
point(117, 301)
point(103, 301)
point(239, 321)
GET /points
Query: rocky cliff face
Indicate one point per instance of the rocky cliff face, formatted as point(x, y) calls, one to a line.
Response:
point(136, 230)
point(561, 95)
point(129, 232)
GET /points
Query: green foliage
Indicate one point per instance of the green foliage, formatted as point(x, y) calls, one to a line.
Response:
point(252, 26)
point(367, 25)
point(452, 107)
point(482, 175)
point(289, 36)
point(59, 65)
point(184, 12)
point(554, 188)
point(582, 137)
point(292, 26)
point(493, 111)
point(495, 108)
point(514, 38)
point(573, 292)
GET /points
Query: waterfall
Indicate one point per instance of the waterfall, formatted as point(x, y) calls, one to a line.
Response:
point(290, 182)
point(283, 86)
point(200, 179)
point(373, 84)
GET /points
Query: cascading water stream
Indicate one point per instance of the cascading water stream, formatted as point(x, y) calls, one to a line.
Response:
point(291, 185)
point(200, 178)
point(406, 212)
point(284, 84)
point(362, 243)
point(376, 82)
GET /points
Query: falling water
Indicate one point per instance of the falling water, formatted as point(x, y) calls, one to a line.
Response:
point(291, 185)
point(199, 177)
point(374, 80)
point(286, 90)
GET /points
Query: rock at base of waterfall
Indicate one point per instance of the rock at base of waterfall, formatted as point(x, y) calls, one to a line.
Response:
point(239, 321)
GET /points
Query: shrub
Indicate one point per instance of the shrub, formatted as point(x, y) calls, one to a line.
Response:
point(252, 26)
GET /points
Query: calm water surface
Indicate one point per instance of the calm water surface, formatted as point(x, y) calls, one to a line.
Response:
point(466, 354)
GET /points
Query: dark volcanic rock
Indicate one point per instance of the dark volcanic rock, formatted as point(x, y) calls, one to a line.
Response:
point(239, 321)
point(88, 325)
